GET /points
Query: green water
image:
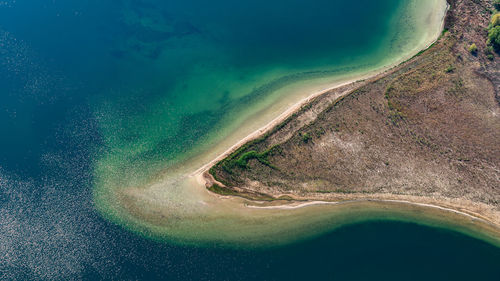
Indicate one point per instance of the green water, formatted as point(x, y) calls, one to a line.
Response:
point(189, 73)
point(190, 79)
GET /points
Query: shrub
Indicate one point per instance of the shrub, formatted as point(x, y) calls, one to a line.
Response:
point(489, 53)
point(306, 137)
point(262, 157)
point(495, 20)
point(496, 3)
point(222, 190)
point(473, 49)
point(494, 37)
point(243, 160)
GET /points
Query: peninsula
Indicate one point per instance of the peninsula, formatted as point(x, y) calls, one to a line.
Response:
point(413, 140)
point(425, 132)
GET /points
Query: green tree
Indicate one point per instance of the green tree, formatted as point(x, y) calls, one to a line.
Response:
point(494, 37)
point(496, 3)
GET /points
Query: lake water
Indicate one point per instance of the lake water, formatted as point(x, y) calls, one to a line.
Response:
point(103, 94)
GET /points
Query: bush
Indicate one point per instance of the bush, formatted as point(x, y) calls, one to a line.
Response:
point(243, 160)
point(496, 3)
point(306, 137)
point(495, 20)
point(494, 31)
point(473, 49)
point(489, 52)
point(494, 37)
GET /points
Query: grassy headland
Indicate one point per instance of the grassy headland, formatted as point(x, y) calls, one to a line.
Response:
point(427, 131)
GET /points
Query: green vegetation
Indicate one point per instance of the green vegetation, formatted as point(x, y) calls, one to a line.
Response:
point(450, 68)
point(222, 190)
point(494, 32)
point(496, 3)
point(489, 52)
point(261, 157)
point(306, 137)
point(240, 159)
point(495, 20)
point(473, 49)
point(227, 191)
point(494, 37)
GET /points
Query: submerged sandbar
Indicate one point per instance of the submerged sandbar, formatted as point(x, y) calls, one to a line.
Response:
point(175, 206)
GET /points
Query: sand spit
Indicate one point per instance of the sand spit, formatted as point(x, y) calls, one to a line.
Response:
point(178, 207)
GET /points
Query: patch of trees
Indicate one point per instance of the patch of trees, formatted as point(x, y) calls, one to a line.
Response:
point(494, 31)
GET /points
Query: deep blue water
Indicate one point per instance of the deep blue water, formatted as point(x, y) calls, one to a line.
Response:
point(68, 67)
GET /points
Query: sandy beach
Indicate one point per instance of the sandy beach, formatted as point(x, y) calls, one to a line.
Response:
point(355, 81)
point(469, 209)
point(177, 206)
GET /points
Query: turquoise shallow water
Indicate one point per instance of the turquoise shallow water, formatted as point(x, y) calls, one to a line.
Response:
point(165, 79)
point(188, 71)
point(121, 90)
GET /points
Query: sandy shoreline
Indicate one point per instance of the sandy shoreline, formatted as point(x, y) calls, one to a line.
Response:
point(261, 131)
point(291, 206)
point(178, 205)
point(461, 208)
point(464, 207)
point(361, 79)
